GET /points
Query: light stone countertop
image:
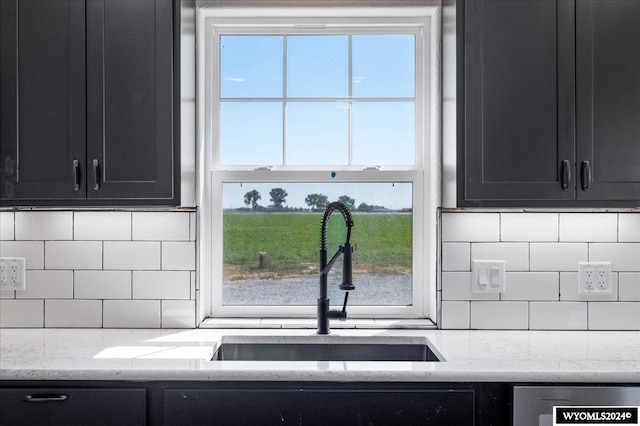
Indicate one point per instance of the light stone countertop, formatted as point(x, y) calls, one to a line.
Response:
point(471, 356)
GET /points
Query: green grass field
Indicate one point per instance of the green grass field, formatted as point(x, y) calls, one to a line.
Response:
point(291, 242)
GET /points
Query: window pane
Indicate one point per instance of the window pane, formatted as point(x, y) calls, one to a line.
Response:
point(317, 133)
point(250, 66)
point(271, 247)
point(383, 66)
point(383, 133)
point(250, 133)
point(317, 66)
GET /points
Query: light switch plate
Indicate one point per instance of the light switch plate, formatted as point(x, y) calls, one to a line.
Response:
point(12, 273)
point(488, 276)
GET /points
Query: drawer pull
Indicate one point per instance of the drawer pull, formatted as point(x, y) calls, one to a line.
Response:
point(47, 398)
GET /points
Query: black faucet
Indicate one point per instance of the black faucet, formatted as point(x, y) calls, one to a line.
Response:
point(324, 314)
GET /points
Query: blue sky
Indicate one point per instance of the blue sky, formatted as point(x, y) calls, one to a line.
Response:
point(317, 131)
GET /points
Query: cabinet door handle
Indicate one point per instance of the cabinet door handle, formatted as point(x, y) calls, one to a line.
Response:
point(96, 174)
point(45, 398)
point(585, 171)
point(76, 175)
point(565, 175)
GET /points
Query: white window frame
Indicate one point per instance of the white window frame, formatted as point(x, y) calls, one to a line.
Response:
point(425, 174)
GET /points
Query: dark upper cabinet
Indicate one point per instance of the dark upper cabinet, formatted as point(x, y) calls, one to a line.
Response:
point(42, 106)
point(608, 99)
point(89, 112)
point(549, 95)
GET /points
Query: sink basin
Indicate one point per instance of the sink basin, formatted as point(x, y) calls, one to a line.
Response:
point(326, 348)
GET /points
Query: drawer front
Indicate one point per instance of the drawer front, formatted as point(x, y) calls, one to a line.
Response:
point(68, 406)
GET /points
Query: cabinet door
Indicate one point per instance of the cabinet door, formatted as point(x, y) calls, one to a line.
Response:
point(517, 140)
point(608, 98)
point(42, 109)
point(69, 406)
point(331, 406)
point(131, 146)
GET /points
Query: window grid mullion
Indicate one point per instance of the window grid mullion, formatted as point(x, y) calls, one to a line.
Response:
point(350, 101)
point(284, 99)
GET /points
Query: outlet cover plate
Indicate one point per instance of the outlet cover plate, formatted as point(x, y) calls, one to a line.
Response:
point(594, 278)
point(487, 276)
point(12, 273)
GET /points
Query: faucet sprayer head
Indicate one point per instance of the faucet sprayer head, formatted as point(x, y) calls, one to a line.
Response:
point(347, 275)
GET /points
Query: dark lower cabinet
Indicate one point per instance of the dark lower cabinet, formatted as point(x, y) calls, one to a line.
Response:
point(335, 403)
point(89, 105)
point(308, 406)
point(549, 100)
point(257, 403)
point(73, 406)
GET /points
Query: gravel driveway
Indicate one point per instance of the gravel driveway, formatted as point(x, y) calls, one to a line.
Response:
point(370, 290)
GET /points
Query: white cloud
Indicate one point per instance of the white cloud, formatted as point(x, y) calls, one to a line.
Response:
point(235, 79)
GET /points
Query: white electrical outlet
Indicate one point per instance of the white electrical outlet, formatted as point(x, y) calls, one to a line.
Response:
point(12, 273)
point(487, 276)
point(594, 278)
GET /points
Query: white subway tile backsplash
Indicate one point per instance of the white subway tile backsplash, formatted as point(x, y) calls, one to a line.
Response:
point(47, 285)
point(32, 251)
point(179, 256)
point(588, 227)
point(6, 226)
point(22, 313)
point(139, 266)
point(178, 313)
point(73, 313)
point(623, 256)
point(131, 314)
point(131, 255)
point(531, 286)
point(7, 294)
point(542, 251)
point(160, 226)
point(455, 315)
point(470, 227)
point(516, 255)
point(557, 256)
point(629, 228)
point(529, 227)
point(73, 254)
point(558, 316)
point(629, 286)
point(44, 226)
point(569, 289)
point(102, 226)
point(102, 284)
point(193, 226)
point(499, 315)
point(456, 257)
point(161, 284)
point(614, 315)
point(457, 286)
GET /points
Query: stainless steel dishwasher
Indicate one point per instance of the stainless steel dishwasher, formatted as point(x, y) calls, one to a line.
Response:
point(533, 405)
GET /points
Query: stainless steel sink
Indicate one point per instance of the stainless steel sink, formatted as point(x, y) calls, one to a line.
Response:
point(326, 348)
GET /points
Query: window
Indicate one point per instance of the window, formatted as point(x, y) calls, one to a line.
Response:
point(300, 111)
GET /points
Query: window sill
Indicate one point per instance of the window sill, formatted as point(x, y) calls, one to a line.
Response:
point(310, 323)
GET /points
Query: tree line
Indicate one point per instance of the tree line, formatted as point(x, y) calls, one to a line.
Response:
point(278, 197)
